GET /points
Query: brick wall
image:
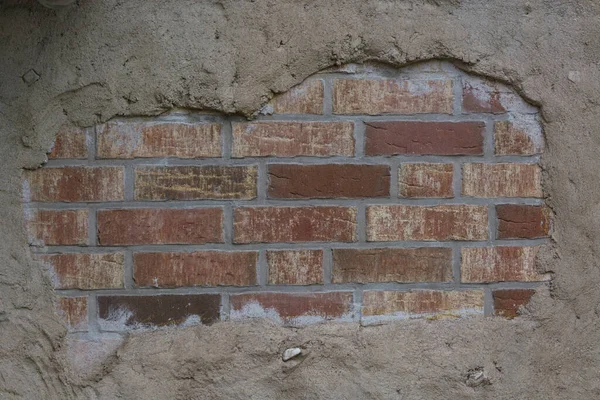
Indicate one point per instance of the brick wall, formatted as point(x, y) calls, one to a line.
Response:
point(363, 194)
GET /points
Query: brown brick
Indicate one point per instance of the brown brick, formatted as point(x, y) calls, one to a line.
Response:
point(512, 138)
point(508, 301)
point(57, 227)
point(500, 264)
point(74, 312)
point(444, 222)
point(483, 96)
point(306, 98)
point(160, 226)
point(295, 267)
point(195, 182)
point(70, 143)
point(522, 222)
point(293, 308)
point(434, 304)
point(293, 181)
point(291, 139)
point(166, 139)
point(125, 312)
point(502, 180)
point(426, 264)
point(420, 180)
point(200, 268)
point(85, 271)
point(412, 137)
point(383, 96)
point(74, 184)
point(294, 224)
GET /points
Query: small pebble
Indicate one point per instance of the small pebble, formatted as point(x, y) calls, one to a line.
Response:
point(291, 353)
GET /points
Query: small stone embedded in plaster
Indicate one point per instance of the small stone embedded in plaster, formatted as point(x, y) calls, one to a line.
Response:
point(30, 77)
point(291, 353)
point(476, 377)
point(574, 76)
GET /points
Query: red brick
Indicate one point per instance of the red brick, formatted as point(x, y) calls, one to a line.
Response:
point(74, 312)
point(70, 143)
point(294, 224)
point(293, 181)
point(74, 184)
point(85, 271)
point(293, 308)
point(200, 268)
point(502, 180)
point(500, 264)
point(432, 304)
point(508, 301)
point(482, 96)
point(512, 138)
point(291, 139)
point(165, 139)
point(57, 227)
point(444, 222)
point(195, 182)
point(426, 264)
point(383, 96)
point(295, 267)
point(306, 98)
point(126, 312)
point(522, 222)
point(160, 226)
point(421, 180)
point(412, 137)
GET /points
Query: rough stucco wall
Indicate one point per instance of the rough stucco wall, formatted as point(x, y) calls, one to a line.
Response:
point(101, 59)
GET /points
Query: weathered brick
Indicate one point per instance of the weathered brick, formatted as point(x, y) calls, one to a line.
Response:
point(200, 268)
point(74, 184)
point(85, 271)
point(295, 267)
point(70, 143)
point(417, 180)
point(160, 226)
point(483, 96)
point(379, 305)
point(414, 137)
point(306, 98)
point(293, 308)
point(57, 227)
point(383, 96)
point(294, 224)
point(74, 312)
point(444, 222)
point(195, 182)
point(165, 139)
point(428, 264)
point(522, 222)
point(500, 264)
point(517, 137)
point(502, 180)
point(291, 139)
point(508, 301)
point(118, 313)
point(293, 181)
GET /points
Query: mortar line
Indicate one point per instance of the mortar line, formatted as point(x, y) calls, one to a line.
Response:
point(327, 97)
point(361, 223)
point(129, 183)
point(262, 269)
point(93, 325)
point(359, 139)
point(457, 178)
point(225, 308)
point(492, 224)
point(394, 180)
point(456, 264)
point(128, 269)
point(488, 302)
point(228, 223)
point(262, 183)
point(327, 266)
point(458, 95)
point(357, 300)
point(226, 139)
point(92, 227)
point(90, 139)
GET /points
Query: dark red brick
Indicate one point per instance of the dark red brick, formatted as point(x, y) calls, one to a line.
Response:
point(522, 222)
point(508, 301)
point(58, 227)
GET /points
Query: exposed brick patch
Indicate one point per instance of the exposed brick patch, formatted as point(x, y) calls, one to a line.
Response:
point(306, 98)
point(293, 181)
point(170, 139)
point(70, 142)
point(392, 265)
point(295, 267)
point(85, 271)
point(57, 227)
point(508, 301)
point(446, 222)
point(517, 137)
point(195, 183)
point(294, 224)
point(417, 180)
point(500, 264)
point(291, 139)
point(482, 96)
point(160, 226)
point(293, 308)
point(74, 313)
point(201, 268)
point(118, 313)
point(522, 222)
point(502, 180)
